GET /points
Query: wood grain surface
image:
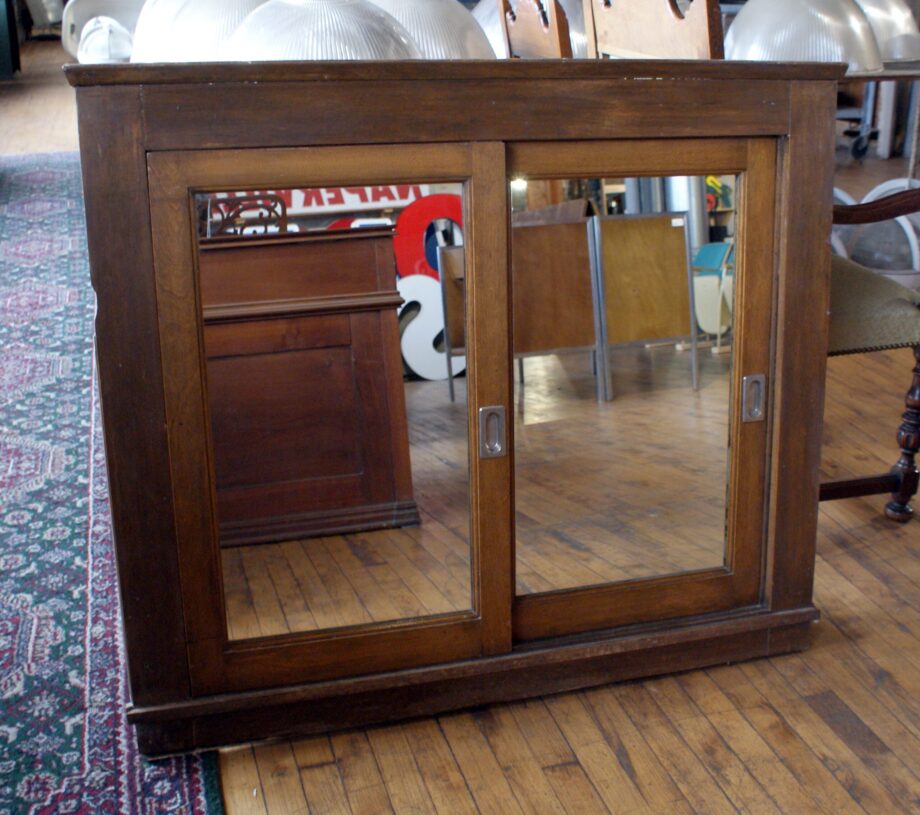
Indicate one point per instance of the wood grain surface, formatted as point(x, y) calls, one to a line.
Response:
point(831, 731)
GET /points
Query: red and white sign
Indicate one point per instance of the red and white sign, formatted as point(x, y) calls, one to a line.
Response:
point(332, 200)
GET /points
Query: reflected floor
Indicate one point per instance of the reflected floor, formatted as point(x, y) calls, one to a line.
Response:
point(628, 489)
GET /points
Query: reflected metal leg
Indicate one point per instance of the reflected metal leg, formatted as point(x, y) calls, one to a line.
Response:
point(604, 385)
point(450, 371)
point(521, 370)
point(694, 344)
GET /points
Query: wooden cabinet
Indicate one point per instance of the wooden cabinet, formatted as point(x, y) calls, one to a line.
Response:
point(241, 395)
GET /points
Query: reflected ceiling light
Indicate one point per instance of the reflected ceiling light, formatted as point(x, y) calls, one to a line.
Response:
point(441, 29)
point(186, 30)
point(486, 14)
point(319, 30)
point(804, 31)
point(894, 27)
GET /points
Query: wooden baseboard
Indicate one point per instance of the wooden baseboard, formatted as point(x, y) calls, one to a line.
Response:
point(533, 670)
point(318, 524)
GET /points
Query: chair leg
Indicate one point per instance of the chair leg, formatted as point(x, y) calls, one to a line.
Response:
point(899, 508)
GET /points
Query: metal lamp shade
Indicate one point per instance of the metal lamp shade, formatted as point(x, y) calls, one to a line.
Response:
point(319, 30)
point(894, 27)
point(186, 30)
point(487, 15)
point(804, 31)
point(441, 29)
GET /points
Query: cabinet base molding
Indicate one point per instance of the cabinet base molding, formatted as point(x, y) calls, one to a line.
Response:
point(537, 669)
point(319, 524)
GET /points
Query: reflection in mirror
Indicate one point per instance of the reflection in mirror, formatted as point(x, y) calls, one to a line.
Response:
point(621, 442)
point(340, 452)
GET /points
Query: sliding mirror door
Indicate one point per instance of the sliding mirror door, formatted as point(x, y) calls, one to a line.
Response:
point(346, 325)
point(642, 291)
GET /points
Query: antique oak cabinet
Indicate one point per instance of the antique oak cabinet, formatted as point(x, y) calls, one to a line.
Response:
point(218, 396)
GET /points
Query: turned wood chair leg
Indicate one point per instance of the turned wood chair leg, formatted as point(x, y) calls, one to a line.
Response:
point(899, 508)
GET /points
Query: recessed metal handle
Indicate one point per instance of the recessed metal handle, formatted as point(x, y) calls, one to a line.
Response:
point(753, 398)
point(492, 432)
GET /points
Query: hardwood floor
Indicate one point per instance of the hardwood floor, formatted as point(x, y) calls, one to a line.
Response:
point(38, 110)
point(835, 730)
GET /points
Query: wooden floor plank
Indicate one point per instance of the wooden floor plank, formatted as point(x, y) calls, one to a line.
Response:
point(485, 779)
point(864, 786)
point(280, 779)
point(633, 753)
point(240, 783)
point(575, 790)
point(401, 776)
point(364, 787)
point(596, 757)
point(520, 766)
point(443, 778)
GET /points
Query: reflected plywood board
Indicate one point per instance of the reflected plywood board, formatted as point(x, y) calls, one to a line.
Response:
point(644, 261)
point(669, 29)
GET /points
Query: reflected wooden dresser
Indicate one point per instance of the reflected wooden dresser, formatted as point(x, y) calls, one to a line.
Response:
point(300, 332)
point(472, 605)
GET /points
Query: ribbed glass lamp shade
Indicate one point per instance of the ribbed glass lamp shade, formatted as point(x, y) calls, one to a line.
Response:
point(319, 30)
point(187, 30)
point(104, 40)
point(804, 31)
point(77, 13)
point(486, 14)
point(441, 29)
point(894, 27)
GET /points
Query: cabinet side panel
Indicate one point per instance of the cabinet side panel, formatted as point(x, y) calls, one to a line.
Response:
point(131, 384)
point(804, 219)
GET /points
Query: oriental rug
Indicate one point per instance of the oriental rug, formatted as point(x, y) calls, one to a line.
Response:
point(65, 745)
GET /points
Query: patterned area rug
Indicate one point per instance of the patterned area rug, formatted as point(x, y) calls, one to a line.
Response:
point(65, 746)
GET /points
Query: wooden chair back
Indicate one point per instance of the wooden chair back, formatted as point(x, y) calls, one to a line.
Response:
point(534, 30)
point(551, 271)
point(654, 29)
point(452, 265)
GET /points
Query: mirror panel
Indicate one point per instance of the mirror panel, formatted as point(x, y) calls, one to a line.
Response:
point(340, 453)
point(621, 440)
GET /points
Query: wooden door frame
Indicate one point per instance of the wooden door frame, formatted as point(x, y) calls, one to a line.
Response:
point(739, 583)
point(215, 662)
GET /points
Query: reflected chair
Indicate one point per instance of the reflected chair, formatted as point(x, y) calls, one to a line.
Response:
point(535, 31)
point(650, 29)
point(712, 269)
point(451, 268)
point(870, 312)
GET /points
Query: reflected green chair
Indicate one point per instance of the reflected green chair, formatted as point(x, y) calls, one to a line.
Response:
point(870, 312)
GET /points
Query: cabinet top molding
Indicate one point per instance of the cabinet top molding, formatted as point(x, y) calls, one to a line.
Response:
point(428, 71)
